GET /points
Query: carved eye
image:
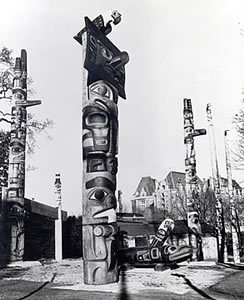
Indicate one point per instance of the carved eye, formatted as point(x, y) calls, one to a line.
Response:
point(171, 249)
point(98, 195)
point(106, 53)
point(93, 41)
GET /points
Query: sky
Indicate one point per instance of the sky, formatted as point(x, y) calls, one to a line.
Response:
point(178, 49)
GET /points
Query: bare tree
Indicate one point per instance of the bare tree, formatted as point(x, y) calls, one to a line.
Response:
point(34, 126)
point(239, 151)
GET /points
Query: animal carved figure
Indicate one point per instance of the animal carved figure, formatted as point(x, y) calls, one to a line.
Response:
point(158, 251)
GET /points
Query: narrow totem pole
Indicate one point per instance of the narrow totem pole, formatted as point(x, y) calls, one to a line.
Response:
point(220, 228)
point(58, 222)
point(192, 194)
point(234, 232)
point(16, 175)
point(103, 82)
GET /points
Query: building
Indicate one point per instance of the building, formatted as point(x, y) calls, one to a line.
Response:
point(159, 199)
point(148, 199)
point(134, 230)
point(39, 231)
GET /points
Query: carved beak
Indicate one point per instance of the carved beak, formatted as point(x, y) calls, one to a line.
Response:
point(109, 213)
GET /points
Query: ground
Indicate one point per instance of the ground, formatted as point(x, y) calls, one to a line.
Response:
point(64, 280)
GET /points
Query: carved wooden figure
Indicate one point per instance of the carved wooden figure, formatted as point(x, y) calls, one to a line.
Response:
point(16, 176)
point(191, 179)
point(103, 82)
point(159, 251)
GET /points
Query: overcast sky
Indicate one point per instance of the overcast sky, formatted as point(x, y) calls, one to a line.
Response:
point(178, 49)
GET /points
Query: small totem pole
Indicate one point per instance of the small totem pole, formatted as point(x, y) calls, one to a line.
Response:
point(120, 201)
point(58, 222)
point(103, 82)
point(220, 228)
point(16, 175)
point(234, 232)
point(192, 194)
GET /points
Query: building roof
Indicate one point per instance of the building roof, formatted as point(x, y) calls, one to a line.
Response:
point(43, 209)
point(147, 185)
point(130, 217)
point(174, 178)
point(136, 229)
point(224, 182)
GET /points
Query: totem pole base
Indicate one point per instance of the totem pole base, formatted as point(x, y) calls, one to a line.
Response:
point(96, 273)
point(16, 243)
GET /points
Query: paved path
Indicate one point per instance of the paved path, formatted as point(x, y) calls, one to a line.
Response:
point(63, 280)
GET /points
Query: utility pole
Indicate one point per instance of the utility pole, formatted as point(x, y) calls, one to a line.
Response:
point(103, 81)
point(192, 195)
point(14, 210)
point(220, 226)
point(58, 222)
point(235, 240)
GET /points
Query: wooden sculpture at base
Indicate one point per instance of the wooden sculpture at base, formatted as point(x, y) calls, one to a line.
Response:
point(159, 251)
point(103, 82)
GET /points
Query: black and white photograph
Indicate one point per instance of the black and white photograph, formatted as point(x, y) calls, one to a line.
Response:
point(121, 149)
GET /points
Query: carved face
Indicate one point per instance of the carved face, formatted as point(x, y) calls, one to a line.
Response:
point(96, 130)
point(15, 210)
point(167, 224)
point(173, 254)
point(101, 202)
point(193, 222)
point(100, 124)
point(116, 17)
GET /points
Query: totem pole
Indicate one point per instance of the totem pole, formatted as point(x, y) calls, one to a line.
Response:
point(192, 194)
point(58, 222)
point(120, 201)
point(103, 82)
point(220, 228)
point(16, 175)
point(234, 232)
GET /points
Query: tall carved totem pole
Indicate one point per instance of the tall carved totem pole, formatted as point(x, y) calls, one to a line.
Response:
point(103, 82)
point(16, 175)
point(192, 194)
point(220, 228)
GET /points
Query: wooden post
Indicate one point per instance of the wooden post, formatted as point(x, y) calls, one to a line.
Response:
point(235, 241)
point(16, 175)
point(192, 194)
point(58, 222)
point(103, 81)
point(220, 228)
